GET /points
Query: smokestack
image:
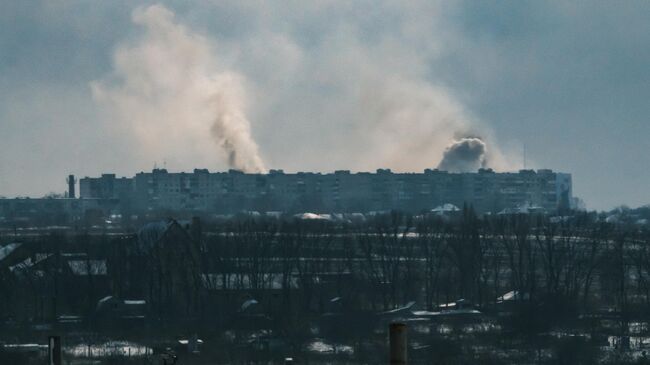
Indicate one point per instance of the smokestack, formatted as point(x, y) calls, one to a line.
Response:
point(71, 187)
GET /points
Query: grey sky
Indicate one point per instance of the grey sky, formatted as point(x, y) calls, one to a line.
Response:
point(356, 85)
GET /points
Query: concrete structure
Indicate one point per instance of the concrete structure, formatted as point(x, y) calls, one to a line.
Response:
point(106, 187)
point(24, 212)
point(71, 186)
point(341, 191)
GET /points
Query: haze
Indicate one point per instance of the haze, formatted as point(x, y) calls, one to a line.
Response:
point(92, 87)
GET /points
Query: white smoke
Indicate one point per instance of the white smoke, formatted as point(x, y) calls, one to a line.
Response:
point(168, 90)
point(342, 102)
point(409, 123)
point(349, 100)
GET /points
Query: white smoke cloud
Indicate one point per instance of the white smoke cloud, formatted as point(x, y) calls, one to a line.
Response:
point(411, 122)
point(350, 97)
point(169, 91)
point(338, 101)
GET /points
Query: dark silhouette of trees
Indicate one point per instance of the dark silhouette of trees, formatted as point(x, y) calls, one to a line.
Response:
point(555, 273)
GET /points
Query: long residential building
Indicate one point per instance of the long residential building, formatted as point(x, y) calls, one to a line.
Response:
point(341, 191)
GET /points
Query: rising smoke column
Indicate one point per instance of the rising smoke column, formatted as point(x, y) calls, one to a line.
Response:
point(464, 155)
point(168, 90)
point(231, 129)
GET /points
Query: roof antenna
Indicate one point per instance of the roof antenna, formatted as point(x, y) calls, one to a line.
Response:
point(524, 155)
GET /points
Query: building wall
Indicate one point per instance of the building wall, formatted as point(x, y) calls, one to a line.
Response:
point(51, 211)
point(341, 191)
point(105, 187)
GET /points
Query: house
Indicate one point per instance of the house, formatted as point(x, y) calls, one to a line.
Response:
point(11, 254)
point(167, 261)
point(120, 312)
point(58, 285)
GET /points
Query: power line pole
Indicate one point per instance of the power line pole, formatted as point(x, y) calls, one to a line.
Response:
point(524, 156)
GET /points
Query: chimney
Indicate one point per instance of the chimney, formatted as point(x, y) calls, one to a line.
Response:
point(71, 187)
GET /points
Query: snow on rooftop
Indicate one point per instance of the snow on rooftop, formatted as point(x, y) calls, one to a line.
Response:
point(512, 295)
point(313, 216)
point(445, 208)
point(445, 313)
point(86, 267)
point(134, 302)
point(8, 249)
point(248, 303)
point(29, 262)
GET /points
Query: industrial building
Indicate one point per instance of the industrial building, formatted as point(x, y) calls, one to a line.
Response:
point(342, 191)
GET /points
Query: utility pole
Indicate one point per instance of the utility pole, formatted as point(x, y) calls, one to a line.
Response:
point(54, 350)
point(524, 156)
point(398, 344)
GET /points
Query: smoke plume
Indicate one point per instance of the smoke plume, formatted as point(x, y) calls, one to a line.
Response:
point(339, 96)
point(169, 92)
point(464, 155)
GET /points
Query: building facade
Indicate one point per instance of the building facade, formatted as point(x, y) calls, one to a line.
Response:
point(341, 191)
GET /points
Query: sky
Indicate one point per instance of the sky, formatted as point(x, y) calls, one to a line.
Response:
point(89, 87)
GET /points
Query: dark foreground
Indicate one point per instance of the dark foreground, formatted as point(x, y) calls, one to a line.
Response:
point(522, 289)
